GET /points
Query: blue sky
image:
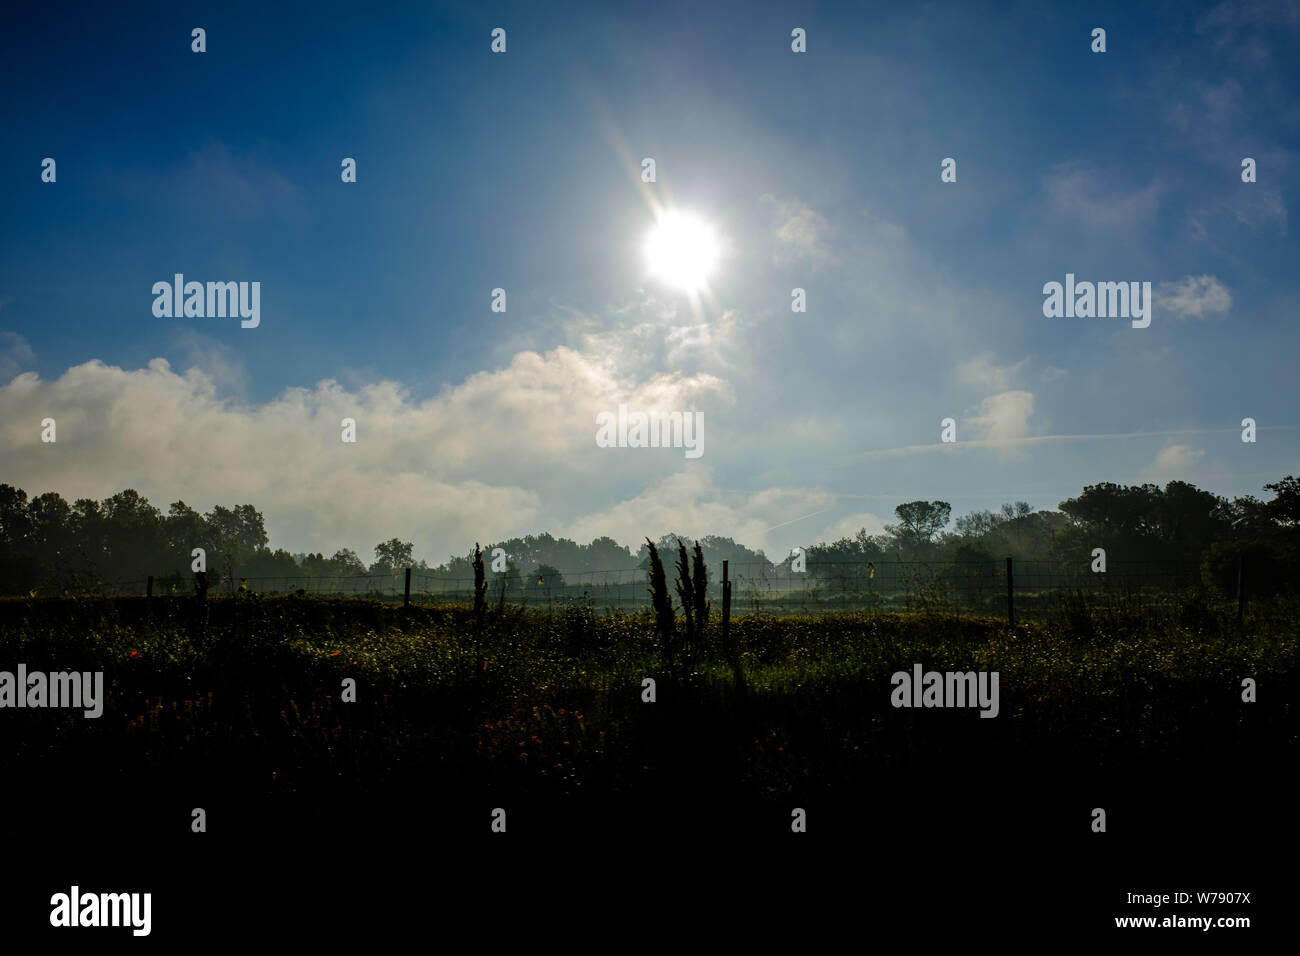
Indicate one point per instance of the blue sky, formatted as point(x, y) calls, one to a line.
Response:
point(520, 170)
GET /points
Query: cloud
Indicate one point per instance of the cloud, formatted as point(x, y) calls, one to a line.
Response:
point(1000, 417)
point(1252, 208)
point(801, 233)
point(504, 452)
point(849, 525)
point(1258, 20)
point(1198, 297)
point(1085, 196)
point(15, 355)
point(935, 447)
point(1173, 462)
point(981, 370)
point(219, 361)
point(687, 502)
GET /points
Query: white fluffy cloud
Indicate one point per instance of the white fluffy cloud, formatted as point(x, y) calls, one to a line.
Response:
point(505, 452)
point(1197, 297)
point(982, 370)
point(1000, 417)
point(1172, 462)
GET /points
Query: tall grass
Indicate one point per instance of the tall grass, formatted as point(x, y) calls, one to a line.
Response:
point(459, 702)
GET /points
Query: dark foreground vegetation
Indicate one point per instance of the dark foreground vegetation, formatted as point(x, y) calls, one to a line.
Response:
point(235, 707)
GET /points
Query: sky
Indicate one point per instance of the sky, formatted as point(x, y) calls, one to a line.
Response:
point(522, 171)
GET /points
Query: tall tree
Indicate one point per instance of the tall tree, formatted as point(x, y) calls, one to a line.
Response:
point(392, 555)
point(919, 521)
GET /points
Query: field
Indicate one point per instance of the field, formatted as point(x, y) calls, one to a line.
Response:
point(242, 713)
point(236, 708)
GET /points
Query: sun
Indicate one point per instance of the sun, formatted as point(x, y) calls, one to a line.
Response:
point(682, 251)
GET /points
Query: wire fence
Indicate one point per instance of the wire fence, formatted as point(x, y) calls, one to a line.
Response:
point(968, 587)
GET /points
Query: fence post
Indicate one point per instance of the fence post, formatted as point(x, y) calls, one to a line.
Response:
point(148, 588)
point(1011, 601)
point(406, 602)
point(726, 605)
point(732, 656)
point(1241, 586)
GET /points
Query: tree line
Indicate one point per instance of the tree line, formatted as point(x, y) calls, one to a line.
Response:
point(48, 545)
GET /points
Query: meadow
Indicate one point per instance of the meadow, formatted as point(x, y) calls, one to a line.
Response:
point(236, 706)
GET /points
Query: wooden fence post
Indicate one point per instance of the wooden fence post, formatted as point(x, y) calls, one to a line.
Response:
point(1011, 601)
point(726, 605)
point(148, 588)
point(733, 656)
point(406, 602)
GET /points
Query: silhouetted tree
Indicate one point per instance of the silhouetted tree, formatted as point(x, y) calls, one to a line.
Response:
point(661, 602)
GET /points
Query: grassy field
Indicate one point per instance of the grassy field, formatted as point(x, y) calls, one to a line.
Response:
point(238, 709)
point(324, 816)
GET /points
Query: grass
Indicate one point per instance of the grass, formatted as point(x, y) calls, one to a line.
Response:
point(244, 706)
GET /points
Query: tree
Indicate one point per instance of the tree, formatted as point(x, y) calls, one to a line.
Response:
point(237, 533)
point(548, 578)
point(392, 555)
point(918, 521)
point(1285, 507)
point(345, 563)
point(270, 564)
point(184, 530)
point(844, 566)
point(978, 523)
point(15, 525)
point(662, 603)
point(1112, 508)
point(686, 594)
point(700, 576)
point(51, 540)
point(134, 535)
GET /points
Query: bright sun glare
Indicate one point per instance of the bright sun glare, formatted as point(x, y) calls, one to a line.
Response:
point(682, 251)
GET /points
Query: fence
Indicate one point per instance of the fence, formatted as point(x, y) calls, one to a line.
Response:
point(986, 588)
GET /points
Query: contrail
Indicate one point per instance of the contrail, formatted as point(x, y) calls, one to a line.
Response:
point(1029, 440)
point(793, 520)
